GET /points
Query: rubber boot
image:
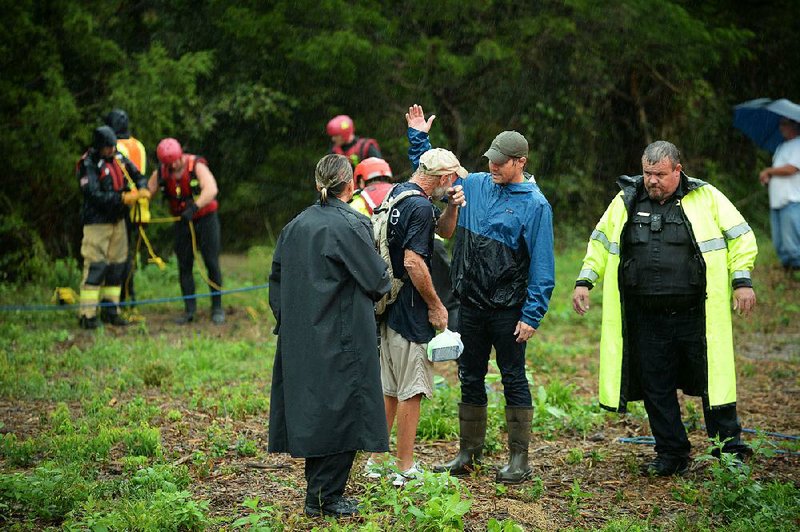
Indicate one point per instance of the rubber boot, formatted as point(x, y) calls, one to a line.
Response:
point(472, 423)
point(518, 419)
point(111, 315)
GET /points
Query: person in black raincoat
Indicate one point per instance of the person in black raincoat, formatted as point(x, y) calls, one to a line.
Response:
point(326, 398)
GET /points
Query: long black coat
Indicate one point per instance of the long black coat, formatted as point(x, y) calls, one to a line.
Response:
point(326, 387)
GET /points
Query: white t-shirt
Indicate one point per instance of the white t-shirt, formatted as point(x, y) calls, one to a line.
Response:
point(785, 189)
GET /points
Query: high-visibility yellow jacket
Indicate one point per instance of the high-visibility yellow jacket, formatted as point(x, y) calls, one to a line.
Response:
point(728, 249)
point(133, 149)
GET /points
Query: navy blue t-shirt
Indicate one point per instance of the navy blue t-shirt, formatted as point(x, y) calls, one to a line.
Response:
point(411, 226)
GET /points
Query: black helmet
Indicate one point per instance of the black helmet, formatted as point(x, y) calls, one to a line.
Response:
point(103, 137)
point(118, 121)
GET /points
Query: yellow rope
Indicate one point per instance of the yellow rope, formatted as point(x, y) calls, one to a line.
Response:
point(154, 259)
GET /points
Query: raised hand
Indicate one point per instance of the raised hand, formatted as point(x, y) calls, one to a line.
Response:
point(415, 118)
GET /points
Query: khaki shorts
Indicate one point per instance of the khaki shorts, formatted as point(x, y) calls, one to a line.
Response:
point(405, 368)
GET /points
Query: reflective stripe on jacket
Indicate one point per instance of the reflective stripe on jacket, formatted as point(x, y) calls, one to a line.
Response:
point(728, 248)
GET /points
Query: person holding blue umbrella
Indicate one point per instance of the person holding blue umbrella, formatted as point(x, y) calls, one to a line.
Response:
point(775, 126)
point(783, 180)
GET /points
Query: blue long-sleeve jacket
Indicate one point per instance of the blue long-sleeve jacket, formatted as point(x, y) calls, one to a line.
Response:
point(503, 254)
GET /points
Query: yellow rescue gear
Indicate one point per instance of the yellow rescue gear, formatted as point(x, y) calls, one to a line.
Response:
point(64, 295)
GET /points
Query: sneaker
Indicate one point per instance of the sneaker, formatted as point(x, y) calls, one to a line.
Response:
point(400, 479)
point(218, 316)
point(664, 466)
point(186, 317)
point(373, 470)
point(89, 323)
point(342, 507)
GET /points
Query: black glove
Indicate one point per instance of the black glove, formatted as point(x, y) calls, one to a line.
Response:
point(189, 212)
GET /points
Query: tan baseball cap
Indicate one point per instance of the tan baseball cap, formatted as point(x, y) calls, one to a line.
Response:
point(439, 161)
point(506, 145)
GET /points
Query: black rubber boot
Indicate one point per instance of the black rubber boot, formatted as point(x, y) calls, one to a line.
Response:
point(342, 507)
point(112, 316)
point(518, 419)
point(89, 323)
point(472, 423)
point(664, 466)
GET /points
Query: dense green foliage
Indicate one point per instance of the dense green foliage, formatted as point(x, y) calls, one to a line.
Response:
point(252, 84)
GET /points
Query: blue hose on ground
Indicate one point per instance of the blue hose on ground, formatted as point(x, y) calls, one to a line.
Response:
point(42, 308)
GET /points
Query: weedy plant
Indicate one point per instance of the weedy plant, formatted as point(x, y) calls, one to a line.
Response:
point(507, 525)
point(433, 502)
point(734, 496)
point(245, 447)
point(576, 494)
point(556, 408)
point(260, 517)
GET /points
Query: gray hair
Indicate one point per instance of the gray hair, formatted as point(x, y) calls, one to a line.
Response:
point(421, 177)
point(332, 173)
point(660, 149)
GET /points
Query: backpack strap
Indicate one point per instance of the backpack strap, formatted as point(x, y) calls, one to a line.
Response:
point(390, 201)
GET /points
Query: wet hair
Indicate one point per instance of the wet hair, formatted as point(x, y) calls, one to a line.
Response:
point(332, 174)
point(660, 149)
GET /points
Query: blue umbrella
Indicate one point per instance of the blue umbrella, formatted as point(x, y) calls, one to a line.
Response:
point(758, 119)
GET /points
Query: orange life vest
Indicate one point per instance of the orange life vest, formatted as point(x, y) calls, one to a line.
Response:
point(133, 150)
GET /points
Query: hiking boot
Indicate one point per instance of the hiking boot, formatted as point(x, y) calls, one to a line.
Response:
point(472, 426)
point(186, 317)
point(400, 479)
point(89, 323)
point(664, 466)
point(518, 421)
point(218, 316)
point(342, 507)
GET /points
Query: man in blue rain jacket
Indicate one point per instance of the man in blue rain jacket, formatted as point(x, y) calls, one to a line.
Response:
point(503, 273)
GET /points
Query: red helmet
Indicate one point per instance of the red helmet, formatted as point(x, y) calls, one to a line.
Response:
point(340, 125)
point(372, 168)
point(169, 150)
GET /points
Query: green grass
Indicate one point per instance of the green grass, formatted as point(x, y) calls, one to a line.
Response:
point(128, 427)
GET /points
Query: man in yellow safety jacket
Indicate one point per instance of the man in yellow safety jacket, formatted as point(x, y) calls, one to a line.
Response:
point(672, 251)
